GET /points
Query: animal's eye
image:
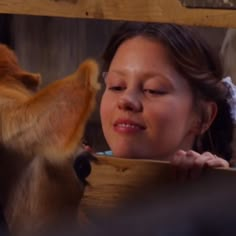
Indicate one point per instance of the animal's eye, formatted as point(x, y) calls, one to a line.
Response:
point(82, 165)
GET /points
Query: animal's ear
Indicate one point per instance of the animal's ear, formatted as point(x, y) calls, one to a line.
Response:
point(88, 73)
point(30, 80)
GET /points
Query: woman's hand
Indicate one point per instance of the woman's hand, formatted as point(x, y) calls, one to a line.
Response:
point(189, 164)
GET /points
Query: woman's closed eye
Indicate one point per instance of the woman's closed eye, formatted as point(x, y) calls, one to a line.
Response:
point(114, 83)
point(116, 88)
point(154, 92)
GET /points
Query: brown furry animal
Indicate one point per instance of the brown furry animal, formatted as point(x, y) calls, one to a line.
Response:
point(40, 133)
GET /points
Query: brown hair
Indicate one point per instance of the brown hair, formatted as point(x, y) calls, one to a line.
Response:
point(196, 62)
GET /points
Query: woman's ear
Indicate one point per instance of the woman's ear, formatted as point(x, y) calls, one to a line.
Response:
point(204, 117)
point(209, 113)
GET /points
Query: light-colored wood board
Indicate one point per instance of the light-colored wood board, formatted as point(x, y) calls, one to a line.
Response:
point(114, 182)
point(138, 10)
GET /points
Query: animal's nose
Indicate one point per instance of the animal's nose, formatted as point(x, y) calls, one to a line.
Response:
point(82, 165)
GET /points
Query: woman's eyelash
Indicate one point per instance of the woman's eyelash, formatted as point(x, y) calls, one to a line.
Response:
point(150, 91)
point(116, 88)
point(153, 91)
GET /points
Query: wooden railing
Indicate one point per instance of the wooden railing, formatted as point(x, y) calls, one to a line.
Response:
point(138, 10)
point(114, 183)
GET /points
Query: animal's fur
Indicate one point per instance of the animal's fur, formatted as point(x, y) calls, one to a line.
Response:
point(40, 132)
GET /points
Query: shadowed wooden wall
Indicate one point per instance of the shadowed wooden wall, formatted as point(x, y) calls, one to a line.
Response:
point(54, 46)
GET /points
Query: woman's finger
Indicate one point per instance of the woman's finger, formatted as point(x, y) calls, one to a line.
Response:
point(217, 163)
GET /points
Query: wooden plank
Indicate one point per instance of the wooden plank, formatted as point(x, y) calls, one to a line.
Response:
point(218, 4)
point(139, 10)
point(115, 182)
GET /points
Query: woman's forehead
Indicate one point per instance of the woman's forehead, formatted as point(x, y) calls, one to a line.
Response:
point(140, 55)
point(141, 51)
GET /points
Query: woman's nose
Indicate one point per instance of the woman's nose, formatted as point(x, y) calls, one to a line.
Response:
point(130, 102)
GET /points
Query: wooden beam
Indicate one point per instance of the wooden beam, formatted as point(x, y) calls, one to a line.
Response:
point(136, 10)
point(115, 182)
point(218, 4)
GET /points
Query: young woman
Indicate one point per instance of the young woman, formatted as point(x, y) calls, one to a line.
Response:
point(164, 97)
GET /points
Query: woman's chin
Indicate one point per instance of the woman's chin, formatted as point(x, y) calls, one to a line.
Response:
point(128, 155)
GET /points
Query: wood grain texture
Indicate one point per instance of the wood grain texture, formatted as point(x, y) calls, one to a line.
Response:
point(116, 182)
point(138, 10)
point(218, 4)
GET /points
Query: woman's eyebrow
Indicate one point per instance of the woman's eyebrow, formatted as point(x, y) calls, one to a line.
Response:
point(143, 74)
point(118, 72)
point(149, 75)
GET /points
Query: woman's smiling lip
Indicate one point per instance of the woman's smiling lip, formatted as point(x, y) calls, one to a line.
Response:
point(127, 126)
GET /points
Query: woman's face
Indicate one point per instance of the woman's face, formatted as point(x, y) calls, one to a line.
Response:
point(147, 107)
